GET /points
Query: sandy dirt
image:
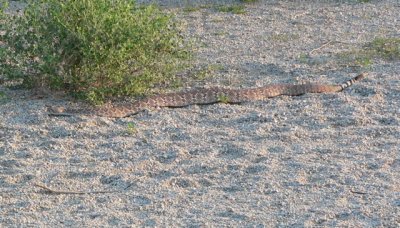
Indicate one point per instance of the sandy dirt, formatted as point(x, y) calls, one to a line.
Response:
point(318, 160)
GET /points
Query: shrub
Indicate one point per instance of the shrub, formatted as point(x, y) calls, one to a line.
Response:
point(386, 48)
point(92, 48)
point(235, 9)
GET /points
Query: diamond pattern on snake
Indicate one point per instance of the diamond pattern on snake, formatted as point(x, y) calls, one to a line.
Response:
point(204, 96)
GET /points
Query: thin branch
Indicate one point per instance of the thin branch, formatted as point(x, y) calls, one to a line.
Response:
point(52, 191)
point(322, 46)
point(59, 114)
point(357, 192)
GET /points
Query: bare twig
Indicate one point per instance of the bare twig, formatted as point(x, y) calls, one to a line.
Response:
point(322, 46)
point(52, 191)
point(59, 114)
point(357, 192)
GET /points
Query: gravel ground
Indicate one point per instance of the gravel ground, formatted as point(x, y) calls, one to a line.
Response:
point(318, 160)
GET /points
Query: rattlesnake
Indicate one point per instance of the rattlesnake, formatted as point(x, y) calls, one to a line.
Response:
point(205, 96)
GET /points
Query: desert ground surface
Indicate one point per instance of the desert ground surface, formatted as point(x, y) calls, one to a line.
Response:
point(317, 160)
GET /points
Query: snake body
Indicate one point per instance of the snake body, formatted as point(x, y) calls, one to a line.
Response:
point(207, 96)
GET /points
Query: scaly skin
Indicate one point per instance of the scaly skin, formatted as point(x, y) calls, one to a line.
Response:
point(207, 96)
